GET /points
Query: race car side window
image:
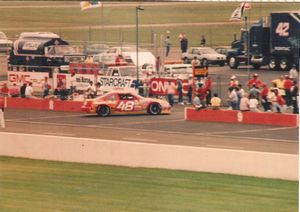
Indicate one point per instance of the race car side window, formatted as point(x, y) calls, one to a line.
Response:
point(126, 97)
point(112, 98)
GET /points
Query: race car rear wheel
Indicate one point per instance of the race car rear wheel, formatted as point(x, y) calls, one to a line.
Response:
point(154, 109)
point(103, 111)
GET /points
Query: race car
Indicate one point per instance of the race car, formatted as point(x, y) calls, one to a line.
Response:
point(125, 102)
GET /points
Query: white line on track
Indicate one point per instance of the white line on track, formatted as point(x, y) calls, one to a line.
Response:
point(159, 131)
point(59, 134)
point(43, 117)
point(224, 147)
point(245, 131)
point(144, 122)
point(139, 139)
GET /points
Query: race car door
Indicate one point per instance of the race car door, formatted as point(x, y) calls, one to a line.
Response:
point(128, 103)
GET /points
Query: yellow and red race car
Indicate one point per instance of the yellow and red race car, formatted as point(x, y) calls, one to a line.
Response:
point(122, 102)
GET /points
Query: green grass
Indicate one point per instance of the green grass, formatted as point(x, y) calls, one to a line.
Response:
point(55, 19)
point(34, 185)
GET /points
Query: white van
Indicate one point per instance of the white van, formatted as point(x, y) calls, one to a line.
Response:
point(181, 71)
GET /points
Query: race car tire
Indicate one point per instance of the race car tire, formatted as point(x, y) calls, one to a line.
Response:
point(154, 109)
point(103, 111)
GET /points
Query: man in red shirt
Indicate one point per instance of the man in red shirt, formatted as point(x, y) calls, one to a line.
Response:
point(287, 88)
point(264, 97)
point(202, 91)
point(208, 86)
point(4, 90)
point(254, 80)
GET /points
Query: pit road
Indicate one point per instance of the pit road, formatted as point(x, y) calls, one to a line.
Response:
point(164, 129)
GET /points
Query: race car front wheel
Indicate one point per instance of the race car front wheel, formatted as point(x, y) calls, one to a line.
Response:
point(154, 109)
point(103, 111)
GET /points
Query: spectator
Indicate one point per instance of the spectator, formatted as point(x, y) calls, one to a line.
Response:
point(99, 90)
point(46, 87)
point(91, 90)
point(287, 90)
point(295, 97)
point(202, 91)
point(190, 89)
point(171, 89)
point(197, 102)
point(22, 90)
point(118, 60)
point(278, 102)
point(180, 92)
point(240, 93)
point(4, 90)
point(63, 93)
point(254, 80)
point(233, 82)
point(244, 104)
point(215, 102)
point(183, 43)
point(280, 85)
point(14, 91)
point(157, 64)
point(264, 94)
point(2, 121)
point(72, 83)
point(254, 91)
point(195, 62)
point(29, 91)
point(208, 87)
point(203, 41)
point(293, 73)
point(146, 85)
point(233, 99)
point(253, 104)
point(167, 45)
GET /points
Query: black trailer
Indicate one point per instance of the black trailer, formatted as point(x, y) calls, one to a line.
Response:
point(273, 41)
point(39, 53)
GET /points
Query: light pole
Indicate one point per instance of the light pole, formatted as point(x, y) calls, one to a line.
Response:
point(137, 41)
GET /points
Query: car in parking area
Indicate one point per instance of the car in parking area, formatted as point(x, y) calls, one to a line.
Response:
point(5, 44)
point(125, 103)
point(224, 50)
point(205, 54)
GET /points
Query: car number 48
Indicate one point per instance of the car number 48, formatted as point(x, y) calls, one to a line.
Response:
point(125, 106)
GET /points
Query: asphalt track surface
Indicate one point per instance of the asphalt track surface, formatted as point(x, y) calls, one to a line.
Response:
point(163, 129)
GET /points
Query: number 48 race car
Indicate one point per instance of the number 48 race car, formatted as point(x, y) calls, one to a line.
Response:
point(121, 102)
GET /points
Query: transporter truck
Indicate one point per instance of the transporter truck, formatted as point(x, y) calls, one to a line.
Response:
point(273, 41)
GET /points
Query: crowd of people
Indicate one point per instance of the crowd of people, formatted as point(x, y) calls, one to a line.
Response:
point(282, 94)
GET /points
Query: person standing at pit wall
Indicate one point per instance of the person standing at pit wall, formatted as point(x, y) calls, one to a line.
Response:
point(2, 121)
point(203, 41)
point(167, 45)
point(183, 42)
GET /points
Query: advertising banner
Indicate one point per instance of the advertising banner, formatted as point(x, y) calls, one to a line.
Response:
point(81, 81)
point(158, 86)
point(109, 83)
point(19, 78)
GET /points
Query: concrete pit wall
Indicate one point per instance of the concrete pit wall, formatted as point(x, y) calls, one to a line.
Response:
point(133, 154)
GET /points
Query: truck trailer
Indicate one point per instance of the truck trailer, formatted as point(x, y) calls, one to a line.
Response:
point(273, 41)
point(41, 52)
